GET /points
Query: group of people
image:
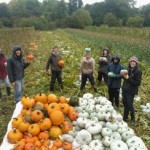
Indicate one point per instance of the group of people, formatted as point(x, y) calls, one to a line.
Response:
point(109, 69)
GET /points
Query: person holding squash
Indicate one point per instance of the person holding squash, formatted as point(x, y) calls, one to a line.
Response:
point(103, 62)
point(56, 63)
point(114, 80)
point(15, 68)
point(87, 70)
point(132, 81)
point(3, 74)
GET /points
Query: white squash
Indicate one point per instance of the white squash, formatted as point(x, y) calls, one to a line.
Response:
point(112, 125)
point(88, 96)
point(72, 133)
point(75, 145)
point(93, 114)
point(83, 114)
point(110, 117)
point(93, 128)
point(119, 117)
point(97, 137)
point(126, 135)
point(91, 101)
point(118, 145)
point(122, 129)
point(101, 116)
point(82, 122)
point(100, 108)
point(96, 145)
point(67, 137)
point(95, 119)
point(106, 131)
point(136, 141)
point(83, 137)
point(84, 147)
point(107, 141)
point(115, 136)
point(109, 108)
point(89, 108)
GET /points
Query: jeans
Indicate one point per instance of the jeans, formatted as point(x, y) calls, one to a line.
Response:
point(18, 90)
point(6, 81)
point(102, 75)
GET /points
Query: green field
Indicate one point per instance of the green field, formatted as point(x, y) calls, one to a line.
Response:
point(75, 41)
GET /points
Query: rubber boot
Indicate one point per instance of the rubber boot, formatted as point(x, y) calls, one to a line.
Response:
point(132, 121)
point(8, 91)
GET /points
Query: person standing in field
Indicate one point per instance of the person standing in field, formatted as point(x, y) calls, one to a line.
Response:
point(3, 75)
point(15, 68)
point(56, 69)
point(132, 81)
point(103, 62)
point(114, 80)
point(87, 70)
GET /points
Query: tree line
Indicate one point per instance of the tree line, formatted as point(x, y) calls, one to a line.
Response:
point(51, 14)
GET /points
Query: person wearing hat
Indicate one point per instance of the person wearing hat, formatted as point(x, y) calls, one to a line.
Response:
point(56, 70)
point(103, 62)
point(132, 81)
point(15, 68)
point(114, 79)
point(3, 75)
point(87, 69)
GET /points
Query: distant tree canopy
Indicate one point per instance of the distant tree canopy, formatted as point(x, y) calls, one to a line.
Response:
point(58, 13)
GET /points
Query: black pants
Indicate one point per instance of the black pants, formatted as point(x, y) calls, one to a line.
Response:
point(114, 94)
point(84, 79)
point(102, 75)
point(56, 75)
point(128, 105)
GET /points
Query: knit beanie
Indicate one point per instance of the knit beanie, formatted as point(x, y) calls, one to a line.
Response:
point(133, 59)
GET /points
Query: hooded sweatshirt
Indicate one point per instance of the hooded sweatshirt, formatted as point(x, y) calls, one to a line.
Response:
point(16, 65)
point(3, 72)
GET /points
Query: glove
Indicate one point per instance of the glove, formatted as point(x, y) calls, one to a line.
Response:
point(111, 74)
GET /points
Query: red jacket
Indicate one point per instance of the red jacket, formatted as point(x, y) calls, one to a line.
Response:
point(3, 72)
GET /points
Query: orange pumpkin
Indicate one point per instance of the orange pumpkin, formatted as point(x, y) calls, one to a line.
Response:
point(53, 148)
point(29, 146)
point(66, 127)
point(62, 99)
point(54, 132)
point(41, 98)
point(19, 145)
point(52, 107)
point(61, 63)
point(29, 139)
point(30, 57)
point(28, 103)
point(14, 136)
point(34, 129)
point(58, 143)
point(73, 115)
point(37, 144)
point(43, 135)
point(57, 118)
point(52, 98)
point(45, 124)
point(67, 146)
point(46, 142)
point(44, 147)
point(37, 115)
point(16, 122)
point(64, 108)
point(23, 126)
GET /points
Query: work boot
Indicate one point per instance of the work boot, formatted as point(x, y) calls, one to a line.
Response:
point(8, 91)
point(132, 122)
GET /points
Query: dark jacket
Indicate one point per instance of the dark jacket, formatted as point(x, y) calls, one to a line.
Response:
point(3, 72)
point(132, 84)
point(103, 65)
point(53, 62)
point(16, 66)
point(115, 82)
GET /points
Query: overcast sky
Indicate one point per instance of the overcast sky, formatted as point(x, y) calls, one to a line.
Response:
point(139, 2)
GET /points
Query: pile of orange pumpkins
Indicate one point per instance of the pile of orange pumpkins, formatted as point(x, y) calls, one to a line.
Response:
point(42, 119)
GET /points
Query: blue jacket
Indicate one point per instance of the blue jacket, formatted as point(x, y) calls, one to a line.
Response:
point(115, 82)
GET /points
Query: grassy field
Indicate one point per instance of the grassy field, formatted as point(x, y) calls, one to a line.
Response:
point(72, 44)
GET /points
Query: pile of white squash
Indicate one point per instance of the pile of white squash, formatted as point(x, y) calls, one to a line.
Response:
point(100, 127)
